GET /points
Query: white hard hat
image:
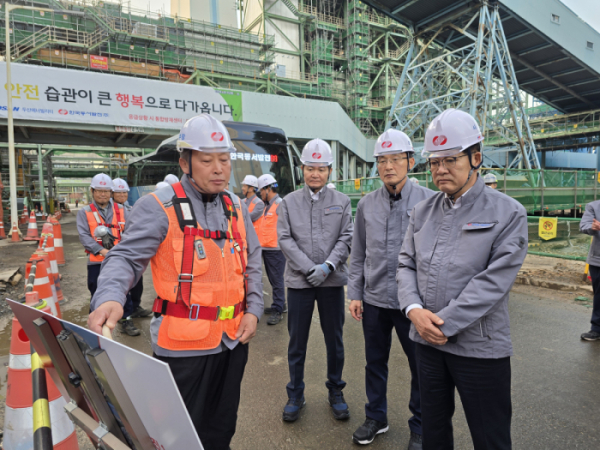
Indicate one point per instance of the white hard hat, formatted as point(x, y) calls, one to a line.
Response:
point(161, 184)
point(266, 180)
point(450, 133)
point(171, 179)
point(331, 186)
point(490, 178)
point(120, 185)
point(317, 153)
point(206, 134)
point(102, 181)
point(250, 180)
point(414, 180)
point(392, 141)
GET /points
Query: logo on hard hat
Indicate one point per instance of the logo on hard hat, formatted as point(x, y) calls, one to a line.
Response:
point(316, 155)
point(102, 183)
point(440, 140)
point(216, 136)
point(386, 144)
point(121, 186)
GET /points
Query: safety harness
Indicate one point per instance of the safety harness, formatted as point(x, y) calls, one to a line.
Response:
point(118, 228)
point(182, 308)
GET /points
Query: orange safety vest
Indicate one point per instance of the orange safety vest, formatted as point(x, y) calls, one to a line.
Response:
point(95, 220)
point(267, 232)
point(251, 207)
point(201, 288)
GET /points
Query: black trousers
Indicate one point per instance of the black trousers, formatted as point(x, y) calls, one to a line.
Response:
point(378, 324)
point(301, 304)
point(136, 294)
point(595, 274)
point(210, 387)
point(92, 282)
point(484, 389)
point(274, 266)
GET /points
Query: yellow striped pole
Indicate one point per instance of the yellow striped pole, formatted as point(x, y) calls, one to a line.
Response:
point(42, 433)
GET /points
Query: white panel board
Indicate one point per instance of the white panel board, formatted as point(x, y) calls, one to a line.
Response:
point(148, 381)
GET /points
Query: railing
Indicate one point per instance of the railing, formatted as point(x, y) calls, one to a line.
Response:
point(337, 21)
point(54, 34)
point(540, 191)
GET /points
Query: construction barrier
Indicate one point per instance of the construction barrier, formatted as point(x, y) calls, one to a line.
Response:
point(38, 280)
point(2, 234)
point(47, 245)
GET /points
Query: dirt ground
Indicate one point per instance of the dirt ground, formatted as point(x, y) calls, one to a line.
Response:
point(565, 277)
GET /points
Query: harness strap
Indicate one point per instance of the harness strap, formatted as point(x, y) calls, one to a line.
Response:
point(118, 216)
point(189, 227)
point(182, 311)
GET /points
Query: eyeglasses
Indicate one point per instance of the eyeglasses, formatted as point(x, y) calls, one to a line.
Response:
point(448, 163)
point(392, 161)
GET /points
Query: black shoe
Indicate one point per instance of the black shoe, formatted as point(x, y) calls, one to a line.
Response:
point(291, 411)
point(275, 318)
point(367, 431)
point(416, 441)
point(270, 309)
point(140, 312)
point(127, 326)
point(590, 336)
point(338, 405)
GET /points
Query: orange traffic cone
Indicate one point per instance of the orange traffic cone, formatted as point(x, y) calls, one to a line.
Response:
point(24, 216)
point(42, 284)
point(32, 231)
point(18, 430)
point(58, 242)
point(2, 234)
point(48, 237)
point(14, 237)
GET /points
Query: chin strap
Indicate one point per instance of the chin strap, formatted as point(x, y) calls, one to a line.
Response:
point(473, 169)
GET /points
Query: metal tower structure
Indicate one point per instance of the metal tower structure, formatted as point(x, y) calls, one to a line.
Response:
point(476, 76)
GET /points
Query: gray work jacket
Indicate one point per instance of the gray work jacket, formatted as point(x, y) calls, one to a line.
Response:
point(146, 229)
point(592, 211)
point(379, 228)
point(311, 232)
point(259, 207)
point(83, 228)
point(461, 264)
point(274, 201)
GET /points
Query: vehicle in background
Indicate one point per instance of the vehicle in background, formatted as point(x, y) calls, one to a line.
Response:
point(260, 149)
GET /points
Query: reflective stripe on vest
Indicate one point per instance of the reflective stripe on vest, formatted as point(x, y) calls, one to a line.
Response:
point(94, 220)
point(267, 233)
point(216, 280)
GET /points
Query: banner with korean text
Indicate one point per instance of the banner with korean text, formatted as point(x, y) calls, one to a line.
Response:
point(63, 95)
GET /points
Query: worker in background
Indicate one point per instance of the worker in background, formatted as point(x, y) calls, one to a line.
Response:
point(415, 180)
point(272, 254)
point(100, 225)
point(161, 184)
point(315, 232)
point(171, 179)
point(381, 221)
point(120, 194)
point(490, 180)
point(207, 273)
point(331, 186)
point(255, 205)
point(591, 225)
point(460, 257)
